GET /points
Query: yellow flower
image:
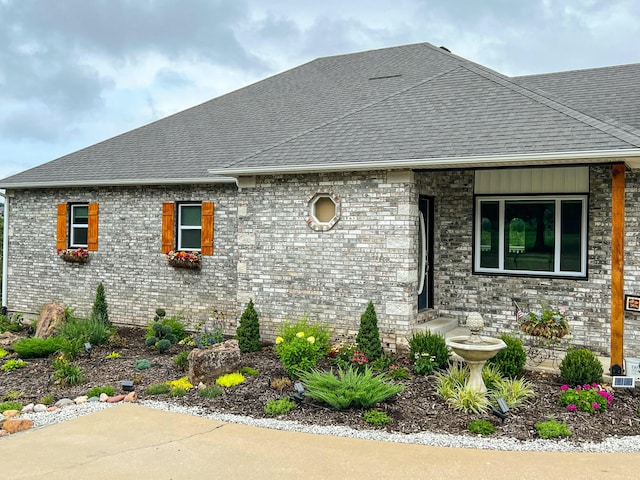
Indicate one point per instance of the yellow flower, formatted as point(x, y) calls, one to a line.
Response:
point(311, 339)
point(279, 340)
point(300, 334)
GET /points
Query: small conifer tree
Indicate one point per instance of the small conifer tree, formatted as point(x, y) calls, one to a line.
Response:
point(100, 310)
point(248, 331)
point(368, 337)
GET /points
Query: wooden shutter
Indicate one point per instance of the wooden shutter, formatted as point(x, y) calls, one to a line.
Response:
point(92, 230)
point(61, 228)
point(206, 234)
point(167, 226)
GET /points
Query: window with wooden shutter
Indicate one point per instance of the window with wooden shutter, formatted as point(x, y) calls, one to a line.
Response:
point(168, 226)
point(206, 247)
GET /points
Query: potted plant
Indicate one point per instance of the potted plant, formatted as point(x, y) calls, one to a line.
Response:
point(74, 255)
point(184, 259)
point(547, 322)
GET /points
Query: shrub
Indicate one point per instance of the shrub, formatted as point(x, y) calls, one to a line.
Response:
point(349, 387)
point(249, 372)
point(11, 323)
point(177, 392)
point(491, 376)
point(47, 399)
point(4, 406)
point(586, 398)
point(13, 395)
point(160, 335)
point(280, 384)
point(481, 427)
point(552, 429)
point(230, 380)
point(300, 345)
point(100, 311)
point(182, 383)
point(91, 330)
point(428, 348)
point(469, 400)
point(397, 372)
point(514, 391)
point(70, 347)
point(96, 391)
point(3, 353)
point(181, 360)
point(248, 330)
point(113, 356)
point(368, 337)
point(13, 364)
point(376, 417)
point(580, 366)
point(211, 391)
point(158, 389)
point(35, 347)
point(66, 373)
point(511, 360)
point(279, 407)
point(142, 364)
point(176, 322)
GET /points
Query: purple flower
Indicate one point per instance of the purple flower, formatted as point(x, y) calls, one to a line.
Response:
point(586, 386)
point(564, 387)
point(571, 407)
point(595, 406)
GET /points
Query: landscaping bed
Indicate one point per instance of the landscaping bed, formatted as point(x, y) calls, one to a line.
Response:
point(416, 409)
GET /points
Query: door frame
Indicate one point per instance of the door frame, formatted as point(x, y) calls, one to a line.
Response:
point(425, 251)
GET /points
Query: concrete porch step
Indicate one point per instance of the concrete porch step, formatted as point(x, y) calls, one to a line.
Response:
point(440, 325)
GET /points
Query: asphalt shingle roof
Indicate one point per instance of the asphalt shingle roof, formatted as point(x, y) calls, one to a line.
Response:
point(409, 102)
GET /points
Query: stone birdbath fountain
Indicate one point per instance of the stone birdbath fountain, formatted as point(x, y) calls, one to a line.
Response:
point(475, 350)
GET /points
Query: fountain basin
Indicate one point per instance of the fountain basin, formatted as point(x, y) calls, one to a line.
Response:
point(475, 351)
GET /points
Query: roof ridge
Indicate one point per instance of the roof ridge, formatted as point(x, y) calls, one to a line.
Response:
point(575, 70)
point(617, 129)
point(340, 117)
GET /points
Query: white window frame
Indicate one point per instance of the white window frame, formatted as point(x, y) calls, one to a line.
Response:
point(181, 227)
point(75, 226)
point(501, 199)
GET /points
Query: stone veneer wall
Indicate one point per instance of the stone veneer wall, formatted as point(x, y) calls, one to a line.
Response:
point(290, 270)
point(129, 262)
point(458, 291)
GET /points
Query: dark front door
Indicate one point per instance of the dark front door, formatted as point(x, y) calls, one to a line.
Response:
point(425, 253)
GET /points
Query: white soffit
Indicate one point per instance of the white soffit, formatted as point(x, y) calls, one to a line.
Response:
point(532, 180)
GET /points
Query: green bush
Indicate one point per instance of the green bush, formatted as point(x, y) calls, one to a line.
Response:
point(376, 417)
point(177, 392)
point(181, 360)
point(35, 347)
point(13, 364)
point(249, 372)
point(368, 337)
point(164, 332)
point(211, 391)
point(3, 353)
point(552, 429)
point(11, 323)
point(580, 366)
point(91, 330)
point(47, 399)
point(142, 364)
point(248, 330)
point(230, 380)
point(96, 391)
point(300, 345)
point(427, 347)
point(4, 406)
point(100, 310)
point(66, 373)
point(469, 400)
point(158, 389)
point(349, 388)
point(279, 407)
point(514, 391)
point(481, 427)
point(511, 360)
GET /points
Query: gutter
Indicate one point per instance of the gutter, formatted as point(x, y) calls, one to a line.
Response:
point(5, 256)
point(118, 183)
point(632, 155)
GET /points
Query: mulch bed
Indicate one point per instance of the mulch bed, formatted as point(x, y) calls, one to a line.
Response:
point(416, 409)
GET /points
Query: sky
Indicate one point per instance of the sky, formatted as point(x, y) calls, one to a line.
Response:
point(76, 72)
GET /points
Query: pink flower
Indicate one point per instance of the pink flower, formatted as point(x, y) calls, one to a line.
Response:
point(595, 406)
point(586, 386)
point(578, 389)
point(571, 407)
point(564, 387)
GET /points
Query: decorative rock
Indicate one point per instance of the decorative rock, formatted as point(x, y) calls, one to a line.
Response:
point(39, 408)
point(64, 402)
point(7, 339)
point(207, 364)
point(115, 399)
point(94, 400)
point(11, 413)
point(81, 399)
point(52, 409)
point(15, 425)
point(28, 408)
point(4, 433)
point(104, 397)
point(131, 397)
point(201, 386)
point(50, 320)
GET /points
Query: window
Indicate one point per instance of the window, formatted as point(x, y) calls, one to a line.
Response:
point(324, 211)
point(77, 226)
point(187, 226)
point(533, 235)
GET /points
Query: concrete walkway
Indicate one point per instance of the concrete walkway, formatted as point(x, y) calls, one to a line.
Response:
point(133, 441)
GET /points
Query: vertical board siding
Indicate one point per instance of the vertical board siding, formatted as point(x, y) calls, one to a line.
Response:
point(532, 180)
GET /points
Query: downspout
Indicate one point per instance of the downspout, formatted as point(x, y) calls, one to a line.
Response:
point(5, 251)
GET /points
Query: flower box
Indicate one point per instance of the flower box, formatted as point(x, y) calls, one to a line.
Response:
point(74, 255)
point(180, 259)
point(541, 330)
point(548, 323)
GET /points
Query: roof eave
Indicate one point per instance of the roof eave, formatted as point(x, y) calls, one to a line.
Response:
point(631, 157)
point(119, 182)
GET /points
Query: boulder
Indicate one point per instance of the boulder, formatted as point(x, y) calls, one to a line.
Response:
point(207, 364)
point(131, 397)
point(7, 339)
point(11, 413)
point(50, 320)
point(15, 425)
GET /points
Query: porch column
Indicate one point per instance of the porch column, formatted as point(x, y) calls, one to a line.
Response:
point(617, 268)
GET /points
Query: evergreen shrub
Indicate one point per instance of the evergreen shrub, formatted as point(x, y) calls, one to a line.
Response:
point(580, 366)
point(248, 330)
point(511, 360)
point(368, 337)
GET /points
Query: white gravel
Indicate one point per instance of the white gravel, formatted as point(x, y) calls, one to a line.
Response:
point(614, 444)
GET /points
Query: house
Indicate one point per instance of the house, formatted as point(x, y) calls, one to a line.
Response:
point(408, 176)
